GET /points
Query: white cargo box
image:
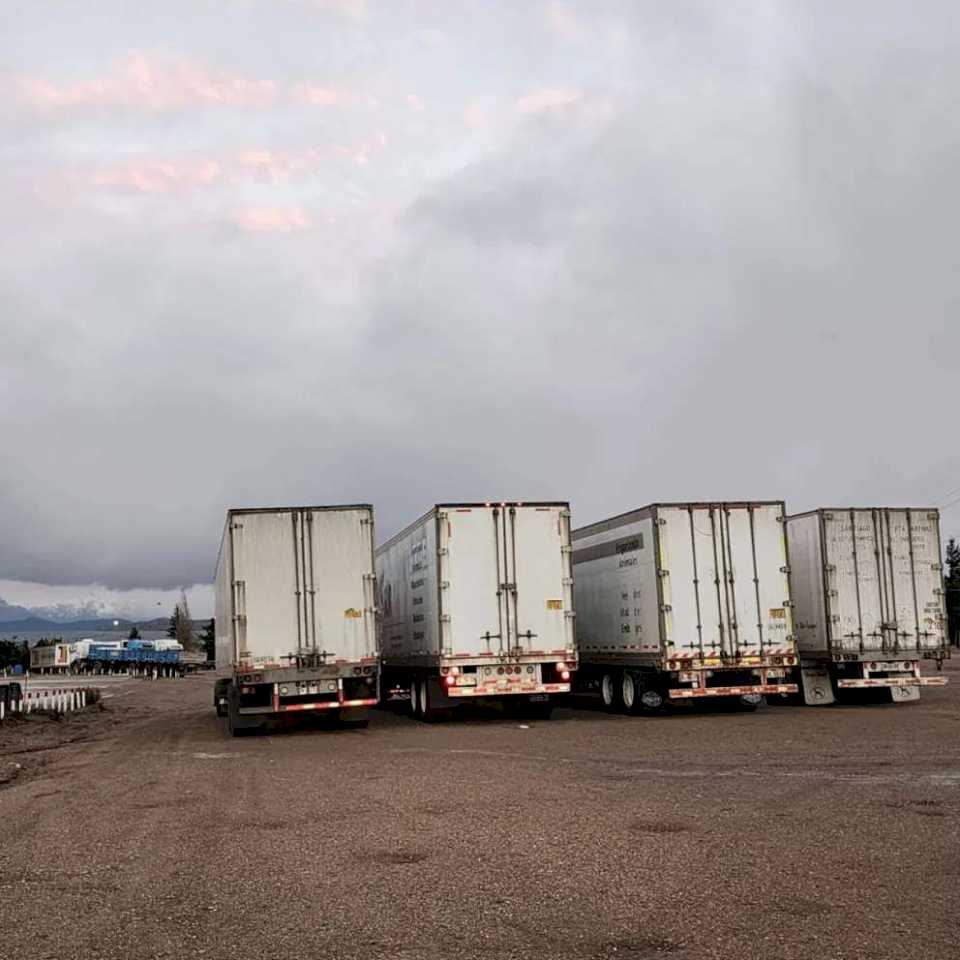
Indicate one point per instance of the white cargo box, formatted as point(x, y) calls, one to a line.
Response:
point(683, 580)
point(477, 579)
point(295, 582)
point(868, 582)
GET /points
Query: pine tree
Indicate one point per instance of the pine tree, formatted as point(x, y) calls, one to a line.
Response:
point(208, 639)
point(174, 625)
point(134, 633)
point(952, 584)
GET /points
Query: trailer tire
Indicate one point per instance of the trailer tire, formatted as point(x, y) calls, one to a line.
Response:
point(415, 697)
point(612, 697)
point(631, 693)
point(428, 713)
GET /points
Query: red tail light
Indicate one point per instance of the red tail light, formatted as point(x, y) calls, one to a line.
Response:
point(449, 680)
point(564, 675)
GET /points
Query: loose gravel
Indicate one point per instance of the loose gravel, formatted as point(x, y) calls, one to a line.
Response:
point(146, 832)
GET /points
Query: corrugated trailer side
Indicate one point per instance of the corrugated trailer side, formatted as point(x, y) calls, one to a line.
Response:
point(682, 601)
point(475, 601)
point(296, 613)
point(870, 599)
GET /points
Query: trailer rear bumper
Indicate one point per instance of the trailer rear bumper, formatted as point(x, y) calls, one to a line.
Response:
point(504, 690)
point(315, 705)
point(763, 689)
point(860, 682)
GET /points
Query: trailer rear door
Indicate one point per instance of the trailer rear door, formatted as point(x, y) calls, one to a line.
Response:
point(883, 581)
point(506, 587)
point(267, 588)
point(724, 581)
point(539, 567)
point(471, 609)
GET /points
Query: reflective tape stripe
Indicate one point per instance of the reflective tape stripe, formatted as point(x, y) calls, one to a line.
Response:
point(895, 682)
point(682, 693)
point(506, 691)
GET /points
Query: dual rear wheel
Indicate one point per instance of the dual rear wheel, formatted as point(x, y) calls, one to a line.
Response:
point(421, 704)
point(623, 691)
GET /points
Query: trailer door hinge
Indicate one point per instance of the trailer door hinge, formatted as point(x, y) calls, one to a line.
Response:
point(785, 570)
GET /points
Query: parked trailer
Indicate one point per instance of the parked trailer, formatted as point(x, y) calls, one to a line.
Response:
point(295, 615)
point(52, 658)
point(677, 601)
point(870, 603)
point(476, 601)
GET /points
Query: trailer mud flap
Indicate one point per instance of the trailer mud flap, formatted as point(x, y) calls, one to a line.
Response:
point(817, 688)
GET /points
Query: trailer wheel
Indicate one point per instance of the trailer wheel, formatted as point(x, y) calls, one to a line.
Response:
point(631, 693)
point(608, 691)
point(220, 690)
point(415, 697)
point(428, 713)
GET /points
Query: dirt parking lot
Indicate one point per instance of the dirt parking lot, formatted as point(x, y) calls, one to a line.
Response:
point(141, 830)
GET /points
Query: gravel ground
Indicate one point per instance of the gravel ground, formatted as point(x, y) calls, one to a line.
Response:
point(142, 830)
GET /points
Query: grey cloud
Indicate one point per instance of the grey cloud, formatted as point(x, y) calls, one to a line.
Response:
point(728, 271)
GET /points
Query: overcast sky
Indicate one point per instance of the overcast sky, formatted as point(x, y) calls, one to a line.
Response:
point(262, 252)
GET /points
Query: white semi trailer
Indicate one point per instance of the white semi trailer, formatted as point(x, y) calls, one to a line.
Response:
point(677, 601)
point(295, 614)
point(476, 601)
point(870, 603)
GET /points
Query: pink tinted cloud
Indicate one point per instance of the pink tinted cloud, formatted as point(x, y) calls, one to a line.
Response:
point(478, 112)
point(415, 103)
point(563, 22)
point(547, 100)
point(150, 82)
point(185, 173)
point(158, 176)
point(272, 219)
point(314, 94)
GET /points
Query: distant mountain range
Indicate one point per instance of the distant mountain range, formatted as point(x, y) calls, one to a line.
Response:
point(35, 624)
